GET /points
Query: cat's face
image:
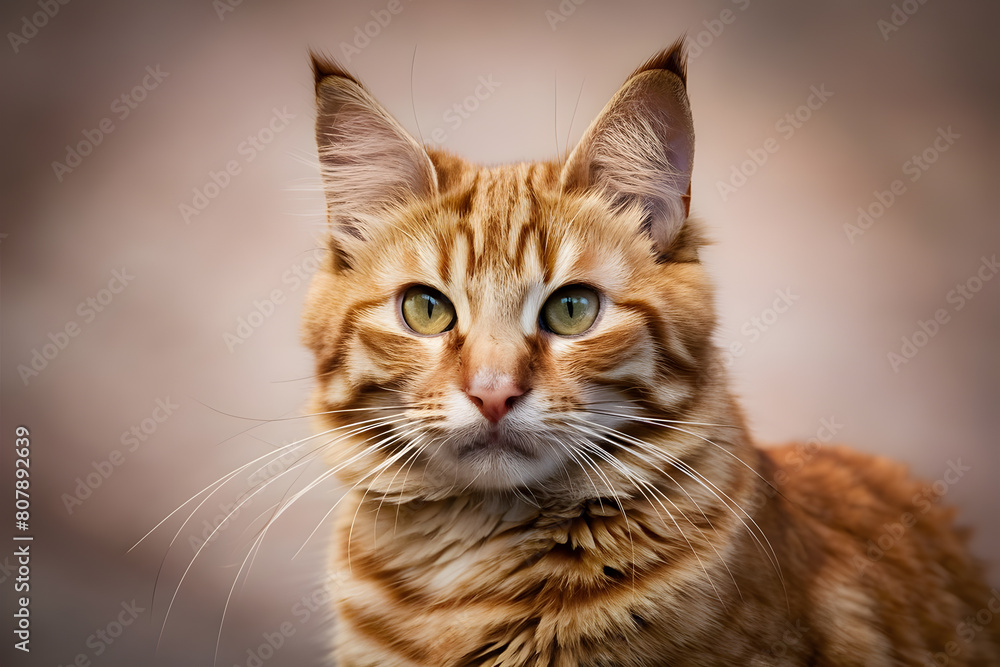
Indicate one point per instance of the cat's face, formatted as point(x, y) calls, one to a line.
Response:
point(501, 328)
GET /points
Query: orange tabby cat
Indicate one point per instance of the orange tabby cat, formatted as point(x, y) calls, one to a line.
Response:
point(517, 380)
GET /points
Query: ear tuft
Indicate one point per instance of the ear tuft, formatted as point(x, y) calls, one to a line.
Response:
point(673, 59)
point(324, 65)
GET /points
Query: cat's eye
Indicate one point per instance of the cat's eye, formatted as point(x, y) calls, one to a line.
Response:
point(427, 311)
point(570, 310)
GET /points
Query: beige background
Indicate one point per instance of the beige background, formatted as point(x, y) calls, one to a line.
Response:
point(162, 337)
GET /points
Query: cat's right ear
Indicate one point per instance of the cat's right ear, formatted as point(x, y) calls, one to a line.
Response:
point(370, 164)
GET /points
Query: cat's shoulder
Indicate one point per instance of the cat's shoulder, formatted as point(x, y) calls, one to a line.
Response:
point(860, 492)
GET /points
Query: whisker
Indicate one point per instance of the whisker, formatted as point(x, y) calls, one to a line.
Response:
point(229, 597)
point(670, 424)
point(217, 484)
point(697, 527)
point(236, 507)
point(406, 464)
point(225, 478)
point(413, 459)
point(379, 469)
point(694, 474)
point(728, 502)
point(330, 473)
point(572, 118)
point(413, 103)
point(641, 484)
point(614, 494)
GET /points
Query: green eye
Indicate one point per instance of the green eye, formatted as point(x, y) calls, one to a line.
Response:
point(427, 311)
point(570, 310)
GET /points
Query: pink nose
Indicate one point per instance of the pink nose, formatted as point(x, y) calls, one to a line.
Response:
point(494, 398)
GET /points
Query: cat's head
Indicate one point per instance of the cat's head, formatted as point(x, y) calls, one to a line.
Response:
point(506, 327)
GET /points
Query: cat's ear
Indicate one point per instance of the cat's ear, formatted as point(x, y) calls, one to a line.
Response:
point(370, 164)
point(640, 149)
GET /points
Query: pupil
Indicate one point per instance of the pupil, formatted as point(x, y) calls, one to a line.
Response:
point(430, 306)
point(569, 307)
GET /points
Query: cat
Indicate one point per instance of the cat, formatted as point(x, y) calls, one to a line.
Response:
point(516, 381)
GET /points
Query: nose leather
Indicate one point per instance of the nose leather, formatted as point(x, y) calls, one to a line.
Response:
point(494, 394)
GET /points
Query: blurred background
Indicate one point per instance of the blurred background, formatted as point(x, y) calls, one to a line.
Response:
point(162, 215)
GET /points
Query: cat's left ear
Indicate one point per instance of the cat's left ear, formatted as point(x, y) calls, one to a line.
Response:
point(640, 149)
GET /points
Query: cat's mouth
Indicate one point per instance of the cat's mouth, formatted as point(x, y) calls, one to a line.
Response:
point(495, 441)
point(500, 457)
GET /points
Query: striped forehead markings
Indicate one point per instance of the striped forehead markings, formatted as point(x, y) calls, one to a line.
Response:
point(497, 220)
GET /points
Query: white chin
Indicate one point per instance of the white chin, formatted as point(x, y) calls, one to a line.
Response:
point(492, 469)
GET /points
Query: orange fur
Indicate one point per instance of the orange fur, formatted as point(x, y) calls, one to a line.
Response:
point(611, 508)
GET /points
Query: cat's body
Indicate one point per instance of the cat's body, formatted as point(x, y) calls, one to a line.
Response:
point(517, 379)
point(472, 581)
